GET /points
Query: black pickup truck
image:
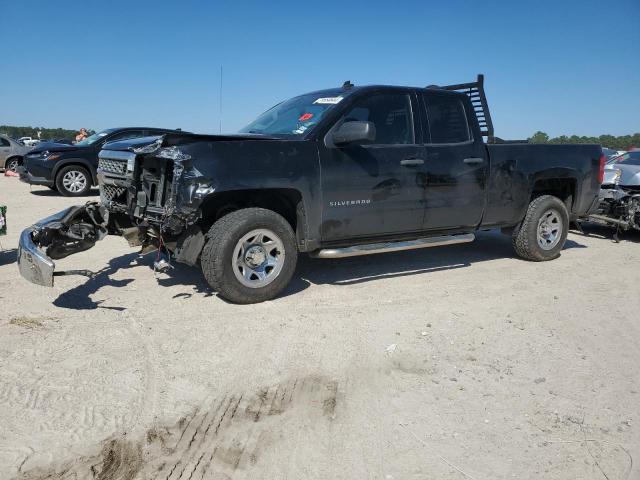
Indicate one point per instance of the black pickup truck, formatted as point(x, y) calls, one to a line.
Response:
point(334, 173)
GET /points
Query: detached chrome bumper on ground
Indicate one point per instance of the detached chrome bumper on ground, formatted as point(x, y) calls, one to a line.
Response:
point(72, 230)
point(34, 265)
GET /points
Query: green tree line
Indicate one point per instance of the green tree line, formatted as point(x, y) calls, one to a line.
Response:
point(45, 133)
point(623, 142)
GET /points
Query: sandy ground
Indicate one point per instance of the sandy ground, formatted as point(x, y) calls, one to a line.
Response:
point(460, 362)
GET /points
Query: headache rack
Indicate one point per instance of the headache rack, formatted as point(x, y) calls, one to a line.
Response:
point(475, 92)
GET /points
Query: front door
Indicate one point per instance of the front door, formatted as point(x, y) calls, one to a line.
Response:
point(456, 165)
point(5, 149)
point(375, 189)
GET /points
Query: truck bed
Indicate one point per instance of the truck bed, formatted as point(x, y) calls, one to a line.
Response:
point(516, 169)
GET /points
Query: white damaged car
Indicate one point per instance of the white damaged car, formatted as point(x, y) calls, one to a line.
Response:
point(620, 193)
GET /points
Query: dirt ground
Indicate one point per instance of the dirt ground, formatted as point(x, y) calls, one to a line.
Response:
point(460, 362)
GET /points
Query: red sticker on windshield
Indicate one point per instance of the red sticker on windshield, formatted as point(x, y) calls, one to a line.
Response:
point(305, 116)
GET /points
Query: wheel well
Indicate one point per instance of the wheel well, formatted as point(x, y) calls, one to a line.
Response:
point(280, 200)
point(563, 188)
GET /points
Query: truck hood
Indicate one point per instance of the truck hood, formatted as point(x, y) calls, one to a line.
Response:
point(171, 139)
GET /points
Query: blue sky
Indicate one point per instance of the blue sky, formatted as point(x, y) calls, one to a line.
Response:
point(564, 67)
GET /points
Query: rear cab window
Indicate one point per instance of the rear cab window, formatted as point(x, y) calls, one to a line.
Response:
point(447, 121)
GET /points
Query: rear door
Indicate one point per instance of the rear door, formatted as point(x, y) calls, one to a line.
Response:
point(375, 190)
point(456, 163)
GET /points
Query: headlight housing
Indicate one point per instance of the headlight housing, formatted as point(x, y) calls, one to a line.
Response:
point(617, 175)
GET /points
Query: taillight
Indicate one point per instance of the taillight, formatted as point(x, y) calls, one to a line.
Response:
point(603, 160)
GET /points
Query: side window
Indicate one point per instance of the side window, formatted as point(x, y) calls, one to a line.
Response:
point(447, 119)
point(391, 115)
point(126, 135)
point(4, 142)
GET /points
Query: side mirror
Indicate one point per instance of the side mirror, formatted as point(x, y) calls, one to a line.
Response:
point(354, 133)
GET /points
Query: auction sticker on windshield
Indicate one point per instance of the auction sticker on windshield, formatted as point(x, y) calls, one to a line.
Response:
point(327, 100)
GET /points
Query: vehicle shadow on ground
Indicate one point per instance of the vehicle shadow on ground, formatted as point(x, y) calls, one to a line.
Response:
point(349, 271)
point(604, 232)
point(186, 275)
point(54, 193)
point(346, 271)
point(78, 298)
point(8, 256)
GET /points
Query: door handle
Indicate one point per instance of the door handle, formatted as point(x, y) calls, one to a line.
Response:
point(473, 160)
point(410, 162)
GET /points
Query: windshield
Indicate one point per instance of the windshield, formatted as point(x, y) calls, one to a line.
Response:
point(94, 138)
point(294, 117)
point(629, 158)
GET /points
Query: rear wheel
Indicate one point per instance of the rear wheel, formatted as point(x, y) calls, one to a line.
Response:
point(12, 164)
point(543, 232)
point(73, 181)
point(250, 255)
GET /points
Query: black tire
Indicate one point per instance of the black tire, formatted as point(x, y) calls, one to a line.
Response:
point(70, 190)
point(52, 187)
point(12, 164)
point(530, 236)
point(220, 266)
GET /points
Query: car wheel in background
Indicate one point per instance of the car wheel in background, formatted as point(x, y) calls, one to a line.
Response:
point(73, 181)
point(12, 164)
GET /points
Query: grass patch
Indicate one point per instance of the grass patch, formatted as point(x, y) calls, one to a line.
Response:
point(27, 322)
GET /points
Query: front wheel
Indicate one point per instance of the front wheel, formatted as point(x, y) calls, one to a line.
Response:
point(250, 255)
point(543, 231)
point(73, 181)
point(13, 164)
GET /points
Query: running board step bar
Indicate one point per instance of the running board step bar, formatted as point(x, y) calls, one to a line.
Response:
point(372, 248)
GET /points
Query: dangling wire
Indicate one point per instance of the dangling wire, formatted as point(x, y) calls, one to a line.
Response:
point(157, 265)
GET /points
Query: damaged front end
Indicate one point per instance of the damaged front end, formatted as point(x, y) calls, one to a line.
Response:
point(619, 202)
point(151, 195)
point(160, 192)
point(70, 231)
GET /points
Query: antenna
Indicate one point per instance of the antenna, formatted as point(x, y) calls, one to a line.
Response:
point(220, 104)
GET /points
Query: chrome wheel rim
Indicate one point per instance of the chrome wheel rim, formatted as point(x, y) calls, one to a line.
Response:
point(74, 181)
point(12, 165)
point(549, 229)
point(258, 258)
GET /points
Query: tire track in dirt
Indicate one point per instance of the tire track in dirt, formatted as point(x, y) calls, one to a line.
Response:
point(223, 438)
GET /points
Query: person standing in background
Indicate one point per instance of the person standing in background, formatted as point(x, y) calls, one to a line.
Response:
point(82, 135)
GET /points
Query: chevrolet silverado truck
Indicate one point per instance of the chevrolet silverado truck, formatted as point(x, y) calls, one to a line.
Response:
point(335, 173)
